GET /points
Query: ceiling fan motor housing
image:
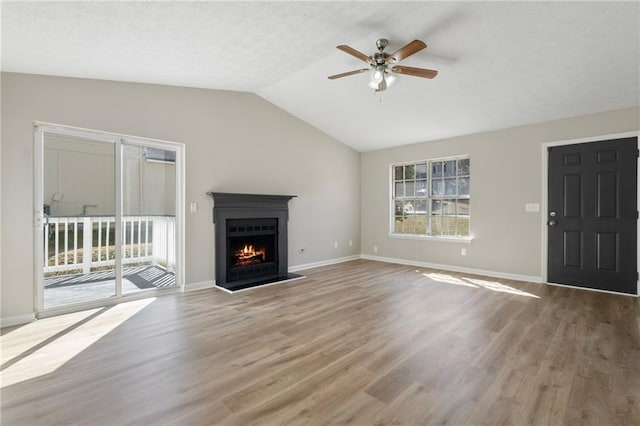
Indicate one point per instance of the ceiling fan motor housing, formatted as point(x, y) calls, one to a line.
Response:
point(379, 59)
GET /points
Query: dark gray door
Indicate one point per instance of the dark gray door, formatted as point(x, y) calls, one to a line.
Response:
point(592, 215)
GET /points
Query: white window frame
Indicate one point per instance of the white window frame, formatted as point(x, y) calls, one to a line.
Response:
point(428, 199)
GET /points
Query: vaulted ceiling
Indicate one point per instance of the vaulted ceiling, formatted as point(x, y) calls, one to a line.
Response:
point(501, 64)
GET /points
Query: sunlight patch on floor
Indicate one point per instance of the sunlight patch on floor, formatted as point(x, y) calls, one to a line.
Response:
point(24, 338)
point(476, 283)
point(61, 350)
point(495, 286)
point(448, 279)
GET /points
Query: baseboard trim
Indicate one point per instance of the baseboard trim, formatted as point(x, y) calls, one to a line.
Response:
point(592, 289)
point(17, 320)
point(202, 285)
point(324, 263)
point(453, 268)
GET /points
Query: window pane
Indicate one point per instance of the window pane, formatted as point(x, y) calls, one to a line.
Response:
point(462, 226)
point(449, 168)
point(421, 206)
point(449, 207)
point(421, 188)
point(436, 207)
point(409, 172)
point(463, 167)
point(436, 169)
point(408, 224)
point(449, 226)
point(398, 172)
point(409, 188)
point(398, 208)
point(408, 207)
point(437, 188)
point(420, 223)
point(399, 225)
point(450, 187)
point(463, 186)
point(463, 208)
point(399, 189)
point(436, 225)
point(421, 171)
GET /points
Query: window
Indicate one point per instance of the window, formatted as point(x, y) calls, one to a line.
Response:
point(431, 197)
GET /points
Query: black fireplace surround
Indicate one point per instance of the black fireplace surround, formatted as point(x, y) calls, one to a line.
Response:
point(250, 239)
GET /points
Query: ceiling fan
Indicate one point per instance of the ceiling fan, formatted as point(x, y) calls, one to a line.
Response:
point(383, 64)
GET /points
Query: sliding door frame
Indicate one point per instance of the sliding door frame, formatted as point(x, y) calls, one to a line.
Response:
point(42, 128)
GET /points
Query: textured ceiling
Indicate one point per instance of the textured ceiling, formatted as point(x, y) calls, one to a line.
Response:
point(501, 64)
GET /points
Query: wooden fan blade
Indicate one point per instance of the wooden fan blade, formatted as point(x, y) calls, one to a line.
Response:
point(417, 72)
point(345, 74)
point(353, 52)
point(408, 50)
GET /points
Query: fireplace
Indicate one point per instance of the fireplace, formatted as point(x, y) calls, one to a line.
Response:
point(250, 239)
point(252, 248)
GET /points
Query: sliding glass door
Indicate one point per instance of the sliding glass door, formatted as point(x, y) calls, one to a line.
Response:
point(108, 224)
point(78, 229)
point(149, 217)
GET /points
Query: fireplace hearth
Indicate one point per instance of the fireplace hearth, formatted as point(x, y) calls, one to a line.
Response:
point(250, 239)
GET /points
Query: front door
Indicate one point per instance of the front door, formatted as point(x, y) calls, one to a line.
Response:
point(592, 215)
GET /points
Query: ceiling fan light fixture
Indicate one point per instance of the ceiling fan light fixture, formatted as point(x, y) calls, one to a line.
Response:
point(390, 78)
point(381, 79)
point(375, 79)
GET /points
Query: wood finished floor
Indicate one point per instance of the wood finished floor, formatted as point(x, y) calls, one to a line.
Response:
point(361, 343)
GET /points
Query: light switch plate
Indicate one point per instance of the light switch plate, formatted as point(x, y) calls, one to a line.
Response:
point(193, 206)
point(532, 207)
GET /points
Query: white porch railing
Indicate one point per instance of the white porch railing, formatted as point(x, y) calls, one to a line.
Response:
point(85, 242)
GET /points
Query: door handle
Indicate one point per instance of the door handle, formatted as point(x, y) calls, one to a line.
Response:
point(42, 219)
point(552, 223)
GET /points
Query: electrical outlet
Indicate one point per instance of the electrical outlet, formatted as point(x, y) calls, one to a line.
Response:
point(375, 249)
point(193, 206)
point(335, 244)
point(463, 251)
point(350, 243)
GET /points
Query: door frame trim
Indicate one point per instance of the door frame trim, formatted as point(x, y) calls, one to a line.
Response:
point(545, 196)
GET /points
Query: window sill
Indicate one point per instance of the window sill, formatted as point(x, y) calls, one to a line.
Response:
point(448, 239)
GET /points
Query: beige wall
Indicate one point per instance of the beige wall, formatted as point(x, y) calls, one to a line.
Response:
point(235, 142)
point(506, 173)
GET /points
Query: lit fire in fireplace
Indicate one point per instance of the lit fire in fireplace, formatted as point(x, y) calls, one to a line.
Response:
point(248, 256)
